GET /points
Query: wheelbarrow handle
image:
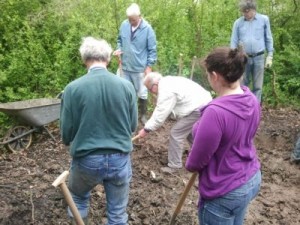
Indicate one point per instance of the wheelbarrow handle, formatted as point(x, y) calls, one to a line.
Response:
point(183, 197)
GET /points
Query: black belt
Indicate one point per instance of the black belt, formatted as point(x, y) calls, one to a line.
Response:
point(256, 54)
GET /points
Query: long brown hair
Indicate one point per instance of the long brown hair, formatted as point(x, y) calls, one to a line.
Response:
point(229, 63)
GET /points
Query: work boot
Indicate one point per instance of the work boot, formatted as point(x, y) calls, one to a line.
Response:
point(85, 221)
point(143, 110)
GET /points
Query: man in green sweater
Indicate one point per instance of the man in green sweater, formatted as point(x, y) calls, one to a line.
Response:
point(98, 116)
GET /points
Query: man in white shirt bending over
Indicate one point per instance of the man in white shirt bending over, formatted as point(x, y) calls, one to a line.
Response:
point(181, 97)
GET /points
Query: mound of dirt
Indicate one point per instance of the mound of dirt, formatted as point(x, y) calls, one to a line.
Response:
point(27, 197)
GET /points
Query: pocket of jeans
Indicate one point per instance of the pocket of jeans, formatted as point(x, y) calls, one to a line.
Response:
point(91, 164)
point(246, 190)
point(214, 213)
point(240, 192)
point(120, 167)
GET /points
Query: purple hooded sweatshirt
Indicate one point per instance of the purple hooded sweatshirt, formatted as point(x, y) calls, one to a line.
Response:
point(223, 152)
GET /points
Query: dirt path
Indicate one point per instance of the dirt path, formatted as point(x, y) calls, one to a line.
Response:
point(27, 197)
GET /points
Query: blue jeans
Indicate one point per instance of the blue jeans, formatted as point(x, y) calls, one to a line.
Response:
point(137, 79)
point(255, 71)
point(231, 208)
point(114, 172)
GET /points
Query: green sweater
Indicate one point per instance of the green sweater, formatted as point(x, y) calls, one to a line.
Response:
point(98, 114)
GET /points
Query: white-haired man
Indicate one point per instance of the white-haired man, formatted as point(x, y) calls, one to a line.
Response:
point(181, 97)
point(97, 122)
point(136, 45)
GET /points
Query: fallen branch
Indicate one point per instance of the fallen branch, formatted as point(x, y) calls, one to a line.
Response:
point(32, 205)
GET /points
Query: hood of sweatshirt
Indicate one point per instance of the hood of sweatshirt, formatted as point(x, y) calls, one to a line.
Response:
point(242, 105)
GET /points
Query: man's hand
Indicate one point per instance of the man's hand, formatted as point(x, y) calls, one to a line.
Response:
point(148, 70)
point(269, 62)
point(142, 133)
point(118, 52)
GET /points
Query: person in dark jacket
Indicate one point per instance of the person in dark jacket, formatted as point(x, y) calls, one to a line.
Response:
point(97, 123)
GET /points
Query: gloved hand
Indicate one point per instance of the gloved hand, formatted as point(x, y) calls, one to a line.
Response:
point(269, 61)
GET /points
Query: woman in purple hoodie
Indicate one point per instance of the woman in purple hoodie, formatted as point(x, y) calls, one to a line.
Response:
point(223, 152)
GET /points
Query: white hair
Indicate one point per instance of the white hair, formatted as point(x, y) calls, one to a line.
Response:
point(133, 10)
point(95, 49)
point(152, 77)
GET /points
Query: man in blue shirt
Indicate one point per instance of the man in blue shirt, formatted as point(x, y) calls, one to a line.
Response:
point(252, 32)
point(136, 45)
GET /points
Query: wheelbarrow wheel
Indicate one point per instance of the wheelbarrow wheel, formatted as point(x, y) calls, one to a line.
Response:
point(20, 143)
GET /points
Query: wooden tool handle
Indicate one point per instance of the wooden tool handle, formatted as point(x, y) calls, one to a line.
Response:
point(180, 64)
point(193, 67)
point(71, 204)
point(135, 137)
point(60, 182)
point(183, 197)
point(61, 179)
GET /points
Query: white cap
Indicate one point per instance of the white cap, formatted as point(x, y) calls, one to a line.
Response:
point(133, 10)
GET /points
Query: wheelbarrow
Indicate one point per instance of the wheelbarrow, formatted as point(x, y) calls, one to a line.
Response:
point(33, 116)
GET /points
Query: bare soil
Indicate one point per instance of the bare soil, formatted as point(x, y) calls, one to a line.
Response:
point(27, 196)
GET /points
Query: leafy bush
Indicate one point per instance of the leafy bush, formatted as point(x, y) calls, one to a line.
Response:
point(40, 39)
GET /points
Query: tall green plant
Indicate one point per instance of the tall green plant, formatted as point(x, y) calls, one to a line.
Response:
point(39, 39)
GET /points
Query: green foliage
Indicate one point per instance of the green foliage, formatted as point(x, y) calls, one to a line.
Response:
point(39, 40)
point(283, 82)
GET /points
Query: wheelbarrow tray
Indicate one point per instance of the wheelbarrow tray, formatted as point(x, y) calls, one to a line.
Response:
point(34, 112)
